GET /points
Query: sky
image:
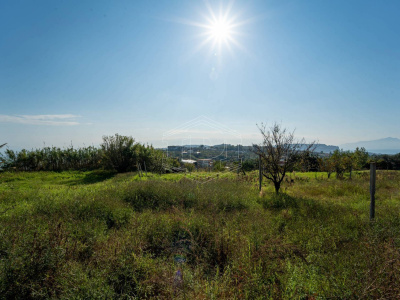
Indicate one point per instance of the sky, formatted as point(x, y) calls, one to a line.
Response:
point(74, 71)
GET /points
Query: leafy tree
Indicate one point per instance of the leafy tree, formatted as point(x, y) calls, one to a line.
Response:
point(360, 158)
point(306, 161)
point(219, 166)
point(385, 162)
point(326, 165)
point(147, 157)
point(157, 161)
point(343, 161)
point(250, 165)
point(279, 152)
point(1, 157)
point(349, 162)
point(338, 161)
point(119, 152)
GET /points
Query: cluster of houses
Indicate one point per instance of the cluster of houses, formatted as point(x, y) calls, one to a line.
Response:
point(200, 163)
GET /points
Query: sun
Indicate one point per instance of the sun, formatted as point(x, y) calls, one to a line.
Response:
point(220, 31)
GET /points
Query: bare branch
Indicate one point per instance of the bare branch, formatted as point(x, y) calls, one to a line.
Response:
point(279, 152)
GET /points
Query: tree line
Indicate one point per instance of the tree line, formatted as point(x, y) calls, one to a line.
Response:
point(279, 153)
point(119, 153)
point(123, 154)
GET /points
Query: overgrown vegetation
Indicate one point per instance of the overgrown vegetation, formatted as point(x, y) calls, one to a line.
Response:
point(118, 153)
point(387, 162)
point(98, 235)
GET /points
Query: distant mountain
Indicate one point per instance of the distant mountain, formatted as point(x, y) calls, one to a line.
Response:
point(388, 145)
point(321, 148)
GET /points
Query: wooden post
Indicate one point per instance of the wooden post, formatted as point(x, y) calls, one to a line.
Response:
point(239, 166)
point(259, 172)
point(372, 190)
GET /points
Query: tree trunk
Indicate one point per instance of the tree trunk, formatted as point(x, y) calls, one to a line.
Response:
point(277, 187)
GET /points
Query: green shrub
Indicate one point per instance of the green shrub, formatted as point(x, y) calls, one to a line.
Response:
point(119, 152)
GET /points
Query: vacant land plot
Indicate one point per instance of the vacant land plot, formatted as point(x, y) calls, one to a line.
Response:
point(97, 235)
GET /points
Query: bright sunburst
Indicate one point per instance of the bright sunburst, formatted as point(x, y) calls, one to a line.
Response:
point(219, 29)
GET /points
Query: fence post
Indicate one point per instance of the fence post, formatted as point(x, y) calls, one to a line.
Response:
point(372, 190)
point(259, 172)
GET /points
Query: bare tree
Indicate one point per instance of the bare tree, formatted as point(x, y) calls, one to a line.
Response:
point(279, 152)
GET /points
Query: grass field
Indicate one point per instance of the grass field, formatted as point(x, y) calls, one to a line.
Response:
point(98, 235)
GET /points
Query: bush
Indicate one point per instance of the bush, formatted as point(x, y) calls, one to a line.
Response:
point(119, 152)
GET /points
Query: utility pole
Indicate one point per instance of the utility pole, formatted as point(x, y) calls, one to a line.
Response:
point(259, 172)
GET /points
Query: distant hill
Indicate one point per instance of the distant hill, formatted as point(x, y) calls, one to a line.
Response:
point(318, 147)
point(321, 148)
point(325, 148)
point(387, 145)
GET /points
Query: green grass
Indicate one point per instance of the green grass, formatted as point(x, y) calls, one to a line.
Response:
point(100, 235)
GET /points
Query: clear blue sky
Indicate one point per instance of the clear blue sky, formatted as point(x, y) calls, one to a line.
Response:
point(77, 70)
